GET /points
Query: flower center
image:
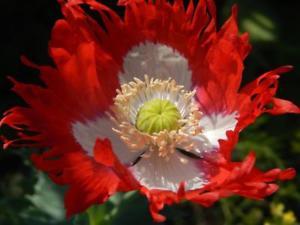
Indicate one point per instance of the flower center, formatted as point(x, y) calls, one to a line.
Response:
point(157, 115)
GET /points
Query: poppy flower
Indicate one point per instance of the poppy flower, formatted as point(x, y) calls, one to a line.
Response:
point(149, 101)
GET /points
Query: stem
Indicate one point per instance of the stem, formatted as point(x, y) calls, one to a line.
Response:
point(96, 215)
point(226, 211)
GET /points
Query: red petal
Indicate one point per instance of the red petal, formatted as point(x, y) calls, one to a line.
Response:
point(259, 97)
point(103, 153)
point(207, 199)
point(287, 174)
point(281, 106)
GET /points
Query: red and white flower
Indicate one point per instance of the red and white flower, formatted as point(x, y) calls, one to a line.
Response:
point(149, 102)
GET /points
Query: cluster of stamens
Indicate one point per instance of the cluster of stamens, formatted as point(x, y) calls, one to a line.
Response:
point(134, 95)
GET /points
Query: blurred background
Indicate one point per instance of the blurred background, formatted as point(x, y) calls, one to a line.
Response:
point(27, 197)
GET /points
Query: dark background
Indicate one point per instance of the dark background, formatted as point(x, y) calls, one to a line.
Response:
point(27, 196)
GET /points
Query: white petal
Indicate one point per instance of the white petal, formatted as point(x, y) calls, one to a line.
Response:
point(215, 126)
point(157, 173)
point(87, 133)
point(157, 61)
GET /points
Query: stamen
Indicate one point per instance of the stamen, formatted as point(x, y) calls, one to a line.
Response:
point(157, 115)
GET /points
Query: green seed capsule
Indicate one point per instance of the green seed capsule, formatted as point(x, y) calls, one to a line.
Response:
point(157, 115)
